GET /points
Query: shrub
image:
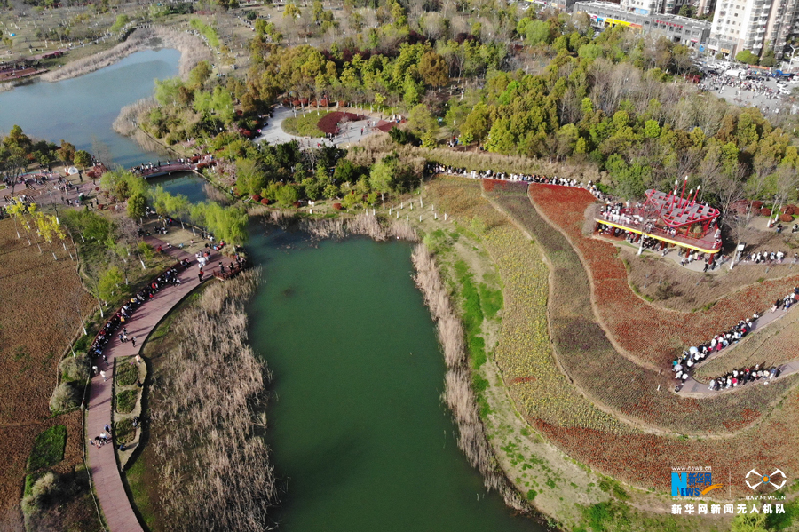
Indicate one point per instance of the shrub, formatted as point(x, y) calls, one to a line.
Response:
point(126, 401)
point(48, 449)
point(126, 372)
point(789, 209)
point(124, 431)
point(75, 369)
point(256, 198)
point(65, 397)
point(786, 217)
point(757, 205)
point(44, 488)
point(765, 212)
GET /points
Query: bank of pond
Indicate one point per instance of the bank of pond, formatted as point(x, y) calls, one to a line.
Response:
point(359, 437)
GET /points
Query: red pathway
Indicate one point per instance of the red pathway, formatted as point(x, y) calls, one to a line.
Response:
point(102, 461)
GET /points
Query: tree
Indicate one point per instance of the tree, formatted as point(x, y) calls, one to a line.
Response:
point(83, 159)
point(287, 195)
point(292, 11)
point(434, 69)
point(200, 74)
point(381, 177)
point(13, 163)
point(109, 283)
point(745, 56)
point(66, 152)
point(477, 124)
point(137, 204)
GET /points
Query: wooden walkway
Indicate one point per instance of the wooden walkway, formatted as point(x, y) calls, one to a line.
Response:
point(105, 474)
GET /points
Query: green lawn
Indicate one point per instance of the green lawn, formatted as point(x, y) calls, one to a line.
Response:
point(305, 125)
point(48, 449)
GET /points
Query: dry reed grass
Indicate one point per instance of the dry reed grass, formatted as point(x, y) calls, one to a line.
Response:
point(472, 437)
point(362, 224)
point(125, 123)
point(213, 466)
point(192, 50)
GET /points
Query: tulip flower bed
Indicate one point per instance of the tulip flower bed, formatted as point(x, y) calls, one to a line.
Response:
point(645, 459)
point(523, 353)
point(610, 379)
point(611, 446)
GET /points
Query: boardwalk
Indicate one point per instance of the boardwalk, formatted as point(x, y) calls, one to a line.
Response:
point(113, 500)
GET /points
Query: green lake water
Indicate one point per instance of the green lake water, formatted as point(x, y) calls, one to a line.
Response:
point(358, 432)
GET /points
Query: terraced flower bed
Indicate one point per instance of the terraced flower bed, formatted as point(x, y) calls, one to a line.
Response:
point(646, 332)
point(633, 456)
point(645, 459)
point(609, 378)
point(537, 386)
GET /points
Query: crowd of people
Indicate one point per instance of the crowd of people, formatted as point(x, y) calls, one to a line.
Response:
point(435, 168)
point(123, 315)
point(684, 365)
point(768, 257)
point(740, 377)
point(719, 82)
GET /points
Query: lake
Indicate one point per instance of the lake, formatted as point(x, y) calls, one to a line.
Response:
point(81, 110)
point(357, 426)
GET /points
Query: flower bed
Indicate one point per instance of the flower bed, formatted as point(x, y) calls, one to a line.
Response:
point(648, 333)
point(645, 459)
point(329, 123)
point(609, 378)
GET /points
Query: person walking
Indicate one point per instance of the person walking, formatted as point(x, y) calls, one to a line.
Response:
point(200, 275)
point(133, 341)
point(102, 374)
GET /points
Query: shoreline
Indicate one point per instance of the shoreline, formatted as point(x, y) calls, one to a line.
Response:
point(192, 50)
point(473, 435)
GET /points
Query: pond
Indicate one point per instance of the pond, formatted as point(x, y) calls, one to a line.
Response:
point(82, 110)
point(188, 184)
point(358, 430)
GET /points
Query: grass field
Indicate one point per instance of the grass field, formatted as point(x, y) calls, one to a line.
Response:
point(48, 449)
point(305, 125)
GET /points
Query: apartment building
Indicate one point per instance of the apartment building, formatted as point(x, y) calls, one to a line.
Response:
point(752, 25)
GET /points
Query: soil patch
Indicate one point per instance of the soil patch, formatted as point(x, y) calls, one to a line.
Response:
point(42, 303)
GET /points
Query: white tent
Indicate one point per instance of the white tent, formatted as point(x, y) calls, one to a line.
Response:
point(72, 170)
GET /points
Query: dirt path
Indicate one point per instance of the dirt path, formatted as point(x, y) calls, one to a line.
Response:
point(103, 465)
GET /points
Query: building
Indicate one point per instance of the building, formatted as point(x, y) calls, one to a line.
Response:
point(754, 25)
point(690, 32)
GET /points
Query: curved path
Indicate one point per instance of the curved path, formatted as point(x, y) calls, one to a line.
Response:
point(105, 474)
point(695, 388)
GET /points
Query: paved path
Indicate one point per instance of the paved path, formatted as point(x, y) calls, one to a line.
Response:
point(102, 461)
point(695, 388)
point(273, 131)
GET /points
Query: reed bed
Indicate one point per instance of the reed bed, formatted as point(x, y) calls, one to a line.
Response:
point(212, 465)
point(125, 122)
point(362, 224)
point(460, 398)
point(192, 51)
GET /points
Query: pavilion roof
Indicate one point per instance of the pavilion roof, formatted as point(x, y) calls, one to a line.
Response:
point(676, 212)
